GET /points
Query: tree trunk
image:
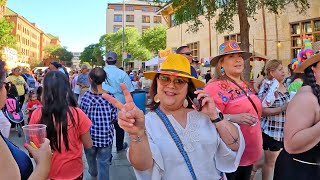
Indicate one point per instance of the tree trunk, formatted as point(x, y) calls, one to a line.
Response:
point(244, 34)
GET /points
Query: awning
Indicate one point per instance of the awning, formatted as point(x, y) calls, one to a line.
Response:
point(154, 61)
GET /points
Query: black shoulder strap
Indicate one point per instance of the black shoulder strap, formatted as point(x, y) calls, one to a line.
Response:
point(248, 96)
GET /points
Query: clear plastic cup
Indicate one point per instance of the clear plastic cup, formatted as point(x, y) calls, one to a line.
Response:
point(35, 134)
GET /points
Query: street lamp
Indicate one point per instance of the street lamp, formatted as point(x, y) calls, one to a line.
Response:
point(123, 24)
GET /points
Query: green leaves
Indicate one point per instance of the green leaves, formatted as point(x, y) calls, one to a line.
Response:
point(154, 39)
point(140, 47)
point(6, 39)
point(92, 54)
point(56, 51)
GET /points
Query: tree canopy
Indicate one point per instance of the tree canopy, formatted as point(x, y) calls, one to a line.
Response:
point(92, 54)
point(154, 38)
point(6, 38)
point(132, 45)
point(224, 11)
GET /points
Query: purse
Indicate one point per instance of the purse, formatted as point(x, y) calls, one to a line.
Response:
point(177, 141)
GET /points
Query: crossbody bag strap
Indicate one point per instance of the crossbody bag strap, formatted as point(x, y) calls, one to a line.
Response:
point(177, 140)
point(245, 92)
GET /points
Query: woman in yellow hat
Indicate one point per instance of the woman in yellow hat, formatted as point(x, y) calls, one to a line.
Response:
point(233, 96)
point(300, 158)
point(179, 139)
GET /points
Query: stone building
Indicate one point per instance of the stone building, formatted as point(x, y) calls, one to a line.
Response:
point(271, 36)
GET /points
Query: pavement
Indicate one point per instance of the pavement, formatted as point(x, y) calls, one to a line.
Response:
point(119, 170)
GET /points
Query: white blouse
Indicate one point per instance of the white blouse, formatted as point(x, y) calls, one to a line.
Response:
point(209, 155)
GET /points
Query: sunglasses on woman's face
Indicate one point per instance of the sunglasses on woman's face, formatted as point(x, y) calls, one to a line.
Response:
point(187, 53)
point(178, 82)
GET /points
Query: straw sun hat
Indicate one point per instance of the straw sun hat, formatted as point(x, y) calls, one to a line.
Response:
point(229, 47)
point(176, 65)
point(306, 62)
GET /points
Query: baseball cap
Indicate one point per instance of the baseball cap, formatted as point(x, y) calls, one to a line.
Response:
point(112, 56)
point(56, 64)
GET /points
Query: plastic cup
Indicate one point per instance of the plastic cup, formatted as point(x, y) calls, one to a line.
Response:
point(35, 134)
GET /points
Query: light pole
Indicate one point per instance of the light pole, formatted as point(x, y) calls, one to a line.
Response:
point(123, 24)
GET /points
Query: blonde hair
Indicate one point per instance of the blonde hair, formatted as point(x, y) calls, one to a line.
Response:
point(271, 65)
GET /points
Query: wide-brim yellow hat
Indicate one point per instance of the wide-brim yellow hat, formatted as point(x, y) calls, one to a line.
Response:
point(307, 63)
point(175, 65)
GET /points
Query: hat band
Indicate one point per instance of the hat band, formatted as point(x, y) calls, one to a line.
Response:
point(175, 71)
point(222, 53)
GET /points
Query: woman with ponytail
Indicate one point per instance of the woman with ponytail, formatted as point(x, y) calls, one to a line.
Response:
point(300, 158)
point(239, 104)
point(102, 114)
point(67, 127)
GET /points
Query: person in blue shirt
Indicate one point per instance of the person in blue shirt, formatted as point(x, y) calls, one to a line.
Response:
point(186, 52)
point(115, 76)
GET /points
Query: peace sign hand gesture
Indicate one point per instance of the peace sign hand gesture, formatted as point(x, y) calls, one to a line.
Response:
point(130, 117)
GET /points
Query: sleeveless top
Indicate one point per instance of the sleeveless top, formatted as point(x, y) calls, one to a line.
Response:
point(312, 155)
point(21, 158)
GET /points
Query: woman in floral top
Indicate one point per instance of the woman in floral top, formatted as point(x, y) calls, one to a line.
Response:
point(275, 98)
point(238, 103)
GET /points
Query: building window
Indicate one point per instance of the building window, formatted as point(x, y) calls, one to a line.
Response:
point(146, 19)
point(172, 20)
point(117, 18)
point(129, 8)
point(118, 8)
point(298, 29)
point(145, 9)
point(144, 28)
point(235, 37)
point(295, 29)
point(129, 18)
point(116, 28)
point(317, 25)
point(131, 65)
point(156, 19)
point(155, 9)
point(194, 47)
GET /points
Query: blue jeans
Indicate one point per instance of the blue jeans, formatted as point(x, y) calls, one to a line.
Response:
point(99, 160)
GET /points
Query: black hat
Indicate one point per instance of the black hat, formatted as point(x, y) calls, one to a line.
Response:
point(56, 64)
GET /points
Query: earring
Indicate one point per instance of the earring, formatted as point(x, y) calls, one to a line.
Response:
point(156, 99)
point(222, 71)
point(185, 103)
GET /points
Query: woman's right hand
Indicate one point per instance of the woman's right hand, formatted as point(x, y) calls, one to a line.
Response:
point(130, 117)
point(42, 157)
point(244, 118)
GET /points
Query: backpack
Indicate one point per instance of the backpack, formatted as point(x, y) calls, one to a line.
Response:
point(30, 80)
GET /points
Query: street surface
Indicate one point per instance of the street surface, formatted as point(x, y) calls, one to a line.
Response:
point(119, 170)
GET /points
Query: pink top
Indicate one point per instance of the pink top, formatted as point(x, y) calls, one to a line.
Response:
point(231, 100)
point(68, 164)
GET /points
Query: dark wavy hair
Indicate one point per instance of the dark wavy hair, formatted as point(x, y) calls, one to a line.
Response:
point(310, 80)
point(97, 76)
point(153, 92)
point(57, 101)
point(2, 73)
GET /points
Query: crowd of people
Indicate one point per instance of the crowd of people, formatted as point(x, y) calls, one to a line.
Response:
point(198, 127)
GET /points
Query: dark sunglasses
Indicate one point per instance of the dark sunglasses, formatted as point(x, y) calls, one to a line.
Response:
point(188, 53)
point(178, 82)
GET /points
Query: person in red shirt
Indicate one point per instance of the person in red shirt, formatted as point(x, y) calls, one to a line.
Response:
point(33, 103)
point(68, 127)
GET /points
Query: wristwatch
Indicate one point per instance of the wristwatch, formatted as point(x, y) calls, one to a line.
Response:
point(220, 118)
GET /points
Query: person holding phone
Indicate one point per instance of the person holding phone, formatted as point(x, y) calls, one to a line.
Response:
point(174, 140)
point(238, 102)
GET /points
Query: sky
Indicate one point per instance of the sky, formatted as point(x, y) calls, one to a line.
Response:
point(77, 23)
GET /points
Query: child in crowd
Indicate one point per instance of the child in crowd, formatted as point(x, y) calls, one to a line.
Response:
point(33, 103)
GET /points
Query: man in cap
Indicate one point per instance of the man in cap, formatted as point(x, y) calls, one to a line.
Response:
point(185, 51)
point(115, 76)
